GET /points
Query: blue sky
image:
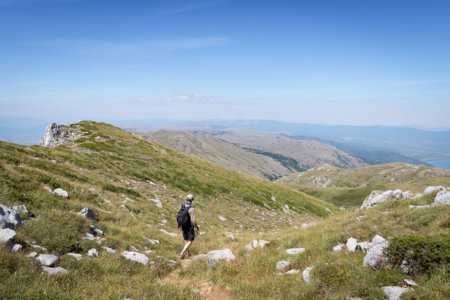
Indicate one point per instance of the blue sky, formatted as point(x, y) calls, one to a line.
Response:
point(328, 62)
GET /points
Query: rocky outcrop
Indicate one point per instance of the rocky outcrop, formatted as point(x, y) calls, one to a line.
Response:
point(136, 256)
point(48, 260)
point(7, 235)
point(432, 189)
point(351, 244)
point(88, 213)
point(376, 256)
point(58, 134)
point(443, 197)
point(377, 197)
point(9, 216)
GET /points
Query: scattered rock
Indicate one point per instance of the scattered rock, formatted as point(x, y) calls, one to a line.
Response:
point(338, 247)
point(395, 292)
point(7, 235)
point(282, 265)
point(76, 255)
point(32, 254)
point(290, 272)
point(410, 282)
point(9, 217)
point(376, 256)
point(306, 225)
point(168, 233)
point(256, 244)
point(38, 247)
point(61, 192)
point(48, 260)
point(213, 257)
point(109, 250)
point(222, 219)
point(443, 197)
point(359, 218)
point(55, 271)
point(432, 189)
point(273, 199)
point(94, 230)
point(16, 248)
point(294, 251)
point(419, 206)
point(92, 252)
point(135, 256)
point(351, 244)
point(157, 202)
point(153, 242)
point(88, 213)
point(306, 274)
point(377, 197)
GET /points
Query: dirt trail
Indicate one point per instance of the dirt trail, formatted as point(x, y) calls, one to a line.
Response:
point(205, 288)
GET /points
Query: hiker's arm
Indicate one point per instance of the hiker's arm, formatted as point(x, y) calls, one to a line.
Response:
point(191, 212)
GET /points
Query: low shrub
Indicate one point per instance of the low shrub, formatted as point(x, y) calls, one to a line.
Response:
point(418, 254)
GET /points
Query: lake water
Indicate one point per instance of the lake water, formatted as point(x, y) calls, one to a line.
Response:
point(443, 164)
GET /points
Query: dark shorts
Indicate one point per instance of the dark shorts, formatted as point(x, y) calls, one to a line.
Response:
point(188, 234)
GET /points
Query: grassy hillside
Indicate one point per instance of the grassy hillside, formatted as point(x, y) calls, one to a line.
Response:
point(220, 152)
point(117, 175)
point(349, 187)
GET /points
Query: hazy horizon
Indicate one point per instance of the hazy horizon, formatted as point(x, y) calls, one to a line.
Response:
point(320, 62)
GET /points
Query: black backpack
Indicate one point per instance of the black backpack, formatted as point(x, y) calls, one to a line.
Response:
point(183, 218)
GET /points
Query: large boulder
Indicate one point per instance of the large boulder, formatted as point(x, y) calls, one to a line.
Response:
point(135, 256)
point(48, 260)
point(9, 216)
point(376, 254)
point(57, 135)
point(395, 292)
point(443, 197)
point(432, 189)
point(213, 257)
point(377, 197)
point(7, 235)
point(256, 244)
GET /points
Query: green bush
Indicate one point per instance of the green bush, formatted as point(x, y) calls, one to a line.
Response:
point(422, 254)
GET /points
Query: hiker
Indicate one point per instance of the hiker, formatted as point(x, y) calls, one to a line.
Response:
point(186, 221)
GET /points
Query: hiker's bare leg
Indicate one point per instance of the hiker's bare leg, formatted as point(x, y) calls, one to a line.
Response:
point(187, 244)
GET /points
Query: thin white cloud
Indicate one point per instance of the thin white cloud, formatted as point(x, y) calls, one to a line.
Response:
point(186, 7)
point(194, 98)
point(190, 43)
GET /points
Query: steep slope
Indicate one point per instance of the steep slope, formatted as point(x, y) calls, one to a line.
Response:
point(134, 188)
point(220, 152)
point(295, 153)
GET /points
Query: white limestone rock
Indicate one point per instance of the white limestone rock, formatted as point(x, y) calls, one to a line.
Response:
point(32, 254)
point(306, 225)
point(410, 282)
point(109, 250)
point(57, 135)
point(94, 230)
point(61, 192)
point(55, 271)
point(157, 202)
point(213, 257)
point(294, 251)
point(221, 218)
point(151, 241)
point(256, 244)
point(443, 197)
point(273, 199)
point(282, 265)
point(48, 260)
point(292, 272)
point(92, 252)
point(88, 213)
point(432, 189)
point(351, 244)
point(420, 206)
point(306, 274)
point(77, 256)
point(16, 248)
point(168, 233)
point(338, 247)
point(363, 246)
point(377, 197)
point(376, 256)
point(7, 235)
point(9, 217)
point(394, 292)
point(136, 256)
